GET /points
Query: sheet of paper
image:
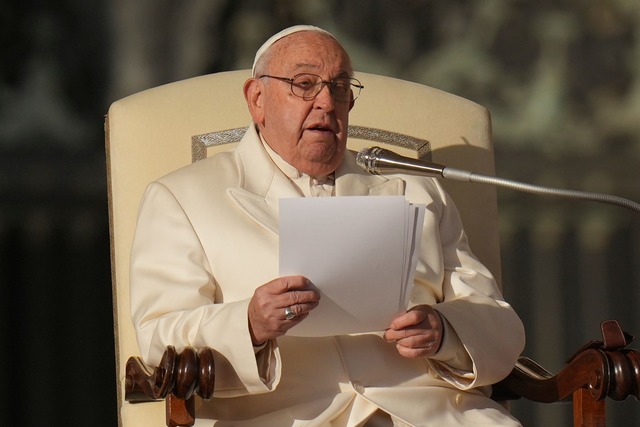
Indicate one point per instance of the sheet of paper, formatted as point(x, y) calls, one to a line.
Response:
point(414, 234)
point(357, 251)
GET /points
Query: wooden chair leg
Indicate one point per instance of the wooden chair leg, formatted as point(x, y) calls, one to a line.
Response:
point(587, 411)
point(180, 412)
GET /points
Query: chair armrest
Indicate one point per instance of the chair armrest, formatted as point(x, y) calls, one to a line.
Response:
point(598, 370)
point(181, 374)
point(604, 368)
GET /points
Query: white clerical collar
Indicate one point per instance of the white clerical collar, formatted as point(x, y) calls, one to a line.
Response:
point(289, 170)
point(306, 184)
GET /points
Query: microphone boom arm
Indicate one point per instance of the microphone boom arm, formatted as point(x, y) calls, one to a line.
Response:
point(378, 160)
point(461, 175)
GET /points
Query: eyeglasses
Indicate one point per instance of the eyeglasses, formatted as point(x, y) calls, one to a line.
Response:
point(308, 86)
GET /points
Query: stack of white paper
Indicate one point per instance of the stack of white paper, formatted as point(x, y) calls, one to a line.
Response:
point(360, 252)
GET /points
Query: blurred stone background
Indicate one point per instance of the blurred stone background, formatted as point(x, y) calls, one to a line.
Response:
point(561, 79)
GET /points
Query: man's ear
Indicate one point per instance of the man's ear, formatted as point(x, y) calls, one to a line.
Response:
point(253, 95)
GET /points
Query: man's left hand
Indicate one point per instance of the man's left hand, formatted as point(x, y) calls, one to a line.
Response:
point(417, 333)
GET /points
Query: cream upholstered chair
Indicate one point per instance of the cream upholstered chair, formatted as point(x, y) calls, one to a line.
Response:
point(151, 133)
point(156, 131)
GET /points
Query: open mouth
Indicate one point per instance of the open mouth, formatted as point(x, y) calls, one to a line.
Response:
point(321, 128)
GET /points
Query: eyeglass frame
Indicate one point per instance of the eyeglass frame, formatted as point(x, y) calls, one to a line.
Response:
point(321, 83)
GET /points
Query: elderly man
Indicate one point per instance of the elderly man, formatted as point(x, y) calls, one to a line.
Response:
point(204, 272)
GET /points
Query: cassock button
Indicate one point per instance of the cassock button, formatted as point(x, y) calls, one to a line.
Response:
point(359, 388)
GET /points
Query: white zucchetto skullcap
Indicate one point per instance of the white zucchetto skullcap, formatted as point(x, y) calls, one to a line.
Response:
point(284, 33)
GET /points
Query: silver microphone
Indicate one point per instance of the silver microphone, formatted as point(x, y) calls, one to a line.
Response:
point(377, 160)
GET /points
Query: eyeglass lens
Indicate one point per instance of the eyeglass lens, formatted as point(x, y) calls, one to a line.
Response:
point(308, 86)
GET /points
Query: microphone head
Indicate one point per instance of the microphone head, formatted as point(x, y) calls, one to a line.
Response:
point(377, 161)
point(367, 159)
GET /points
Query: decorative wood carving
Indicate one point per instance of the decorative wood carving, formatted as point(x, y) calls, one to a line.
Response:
point(598, 370)
point(181, 374)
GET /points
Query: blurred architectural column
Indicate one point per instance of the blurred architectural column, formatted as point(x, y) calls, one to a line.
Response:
point(159, 41)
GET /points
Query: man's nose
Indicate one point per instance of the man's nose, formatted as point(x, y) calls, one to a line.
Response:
point(324, 98)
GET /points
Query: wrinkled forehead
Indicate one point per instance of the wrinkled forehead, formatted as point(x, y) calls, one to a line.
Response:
point(308, 52)
point(290, 37)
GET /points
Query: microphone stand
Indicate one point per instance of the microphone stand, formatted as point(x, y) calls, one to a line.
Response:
point(377, 160)
point(461, 175)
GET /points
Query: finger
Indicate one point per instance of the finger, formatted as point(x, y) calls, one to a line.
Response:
point(414, 353)
point(396, 335)
point(290, 283)
point(281, 292)
point(301, 308)
point(430, 328)
point(299, 297)
point(412, 317)
point(295, 319)
point(419, 345)
point(282, 285)
point(426, 339)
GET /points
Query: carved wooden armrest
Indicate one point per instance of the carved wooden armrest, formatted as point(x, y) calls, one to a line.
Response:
point(180, 374)
point(178, 378)
point(598, 370)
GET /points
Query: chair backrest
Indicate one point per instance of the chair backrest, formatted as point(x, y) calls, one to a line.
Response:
point(158, 130)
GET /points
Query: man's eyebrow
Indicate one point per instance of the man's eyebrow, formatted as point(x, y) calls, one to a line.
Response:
point(304, 65)
point(343, 73)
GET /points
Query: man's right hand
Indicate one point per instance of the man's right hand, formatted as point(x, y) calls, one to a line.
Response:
point(269, 302)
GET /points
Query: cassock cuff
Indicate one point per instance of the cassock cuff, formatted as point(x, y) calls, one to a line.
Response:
point(452, 352)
